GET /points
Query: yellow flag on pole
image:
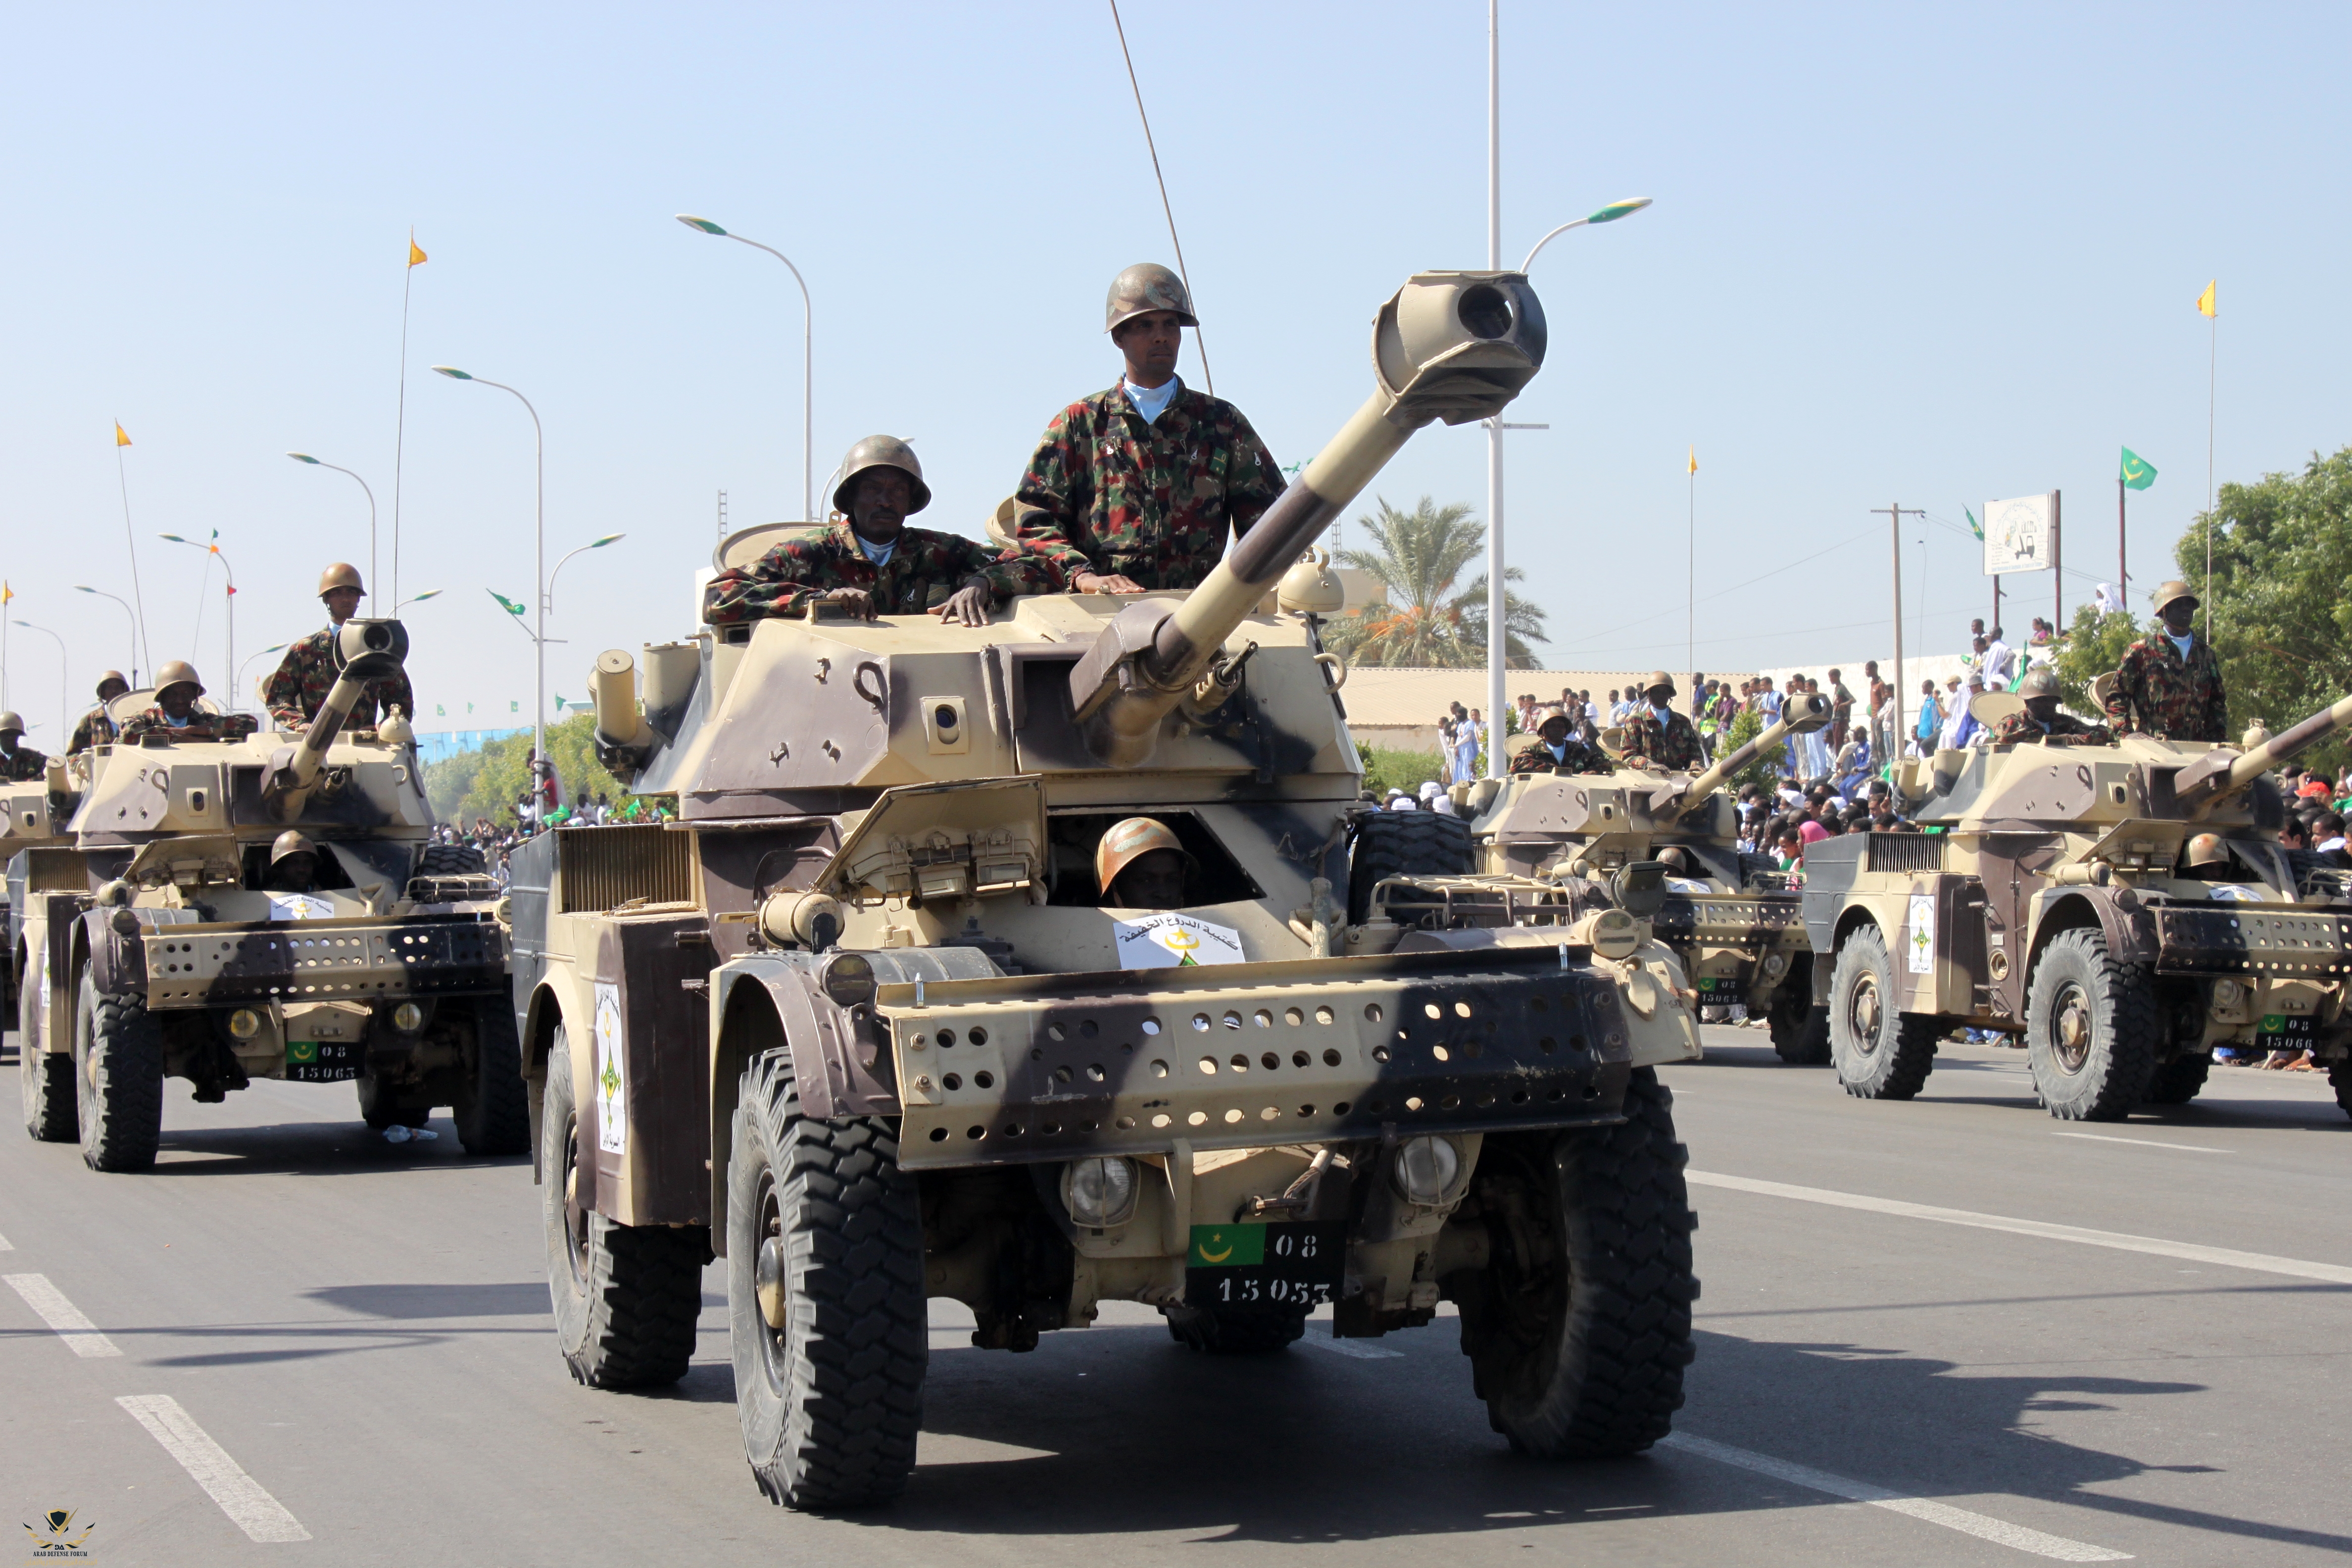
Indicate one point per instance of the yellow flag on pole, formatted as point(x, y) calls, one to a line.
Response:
point(6, 592)
point(1693, 459)
point(2205, 300)
point(416, 256)
point(121, 439)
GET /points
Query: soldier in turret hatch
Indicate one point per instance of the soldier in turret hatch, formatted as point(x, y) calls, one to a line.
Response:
point(298, 688)
point(1137, 488)
point(872, 563)
point(1656, 733)
point(19, 764)
point(2169, 683)
point(1139, 865)
point(2041, 722)
point(175, 712)
point(1557, 751)
point(97, 726)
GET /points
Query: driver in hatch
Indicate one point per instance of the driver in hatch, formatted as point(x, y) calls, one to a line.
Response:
point(1139, 865)
point(293, 864)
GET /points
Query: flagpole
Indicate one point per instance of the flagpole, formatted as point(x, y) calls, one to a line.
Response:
point(2123, 581)
point(2212, 366)
point(123, 476)
point(1690, 585)
point(400, 426)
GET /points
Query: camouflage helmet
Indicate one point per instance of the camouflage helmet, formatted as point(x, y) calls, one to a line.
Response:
point(178, 672)
point(291, 842)
point(1658, 677)
point(11, 722)
point(2166, 591)
point(2205, 849)
point(1142, 289)
point(881, 452)
point(2040, 681)
point(115, 675)
point(341, 575)
point(1128, 842)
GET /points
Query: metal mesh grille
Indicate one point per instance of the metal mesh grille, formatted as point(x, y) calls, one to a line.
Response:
point(1906, 851)
point(604, 867)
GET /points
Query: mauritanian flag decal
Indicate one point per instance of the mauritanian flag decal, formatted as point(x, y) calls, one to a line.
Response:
point(1226, 1246)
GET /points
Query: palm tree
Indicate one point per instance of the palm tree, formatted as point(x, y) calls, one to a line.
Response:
point(1425, 621)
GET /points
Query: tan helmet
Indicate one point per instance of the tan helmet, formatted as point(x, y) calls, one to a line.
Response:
point(289, 842)
point(881, 452)
point(1658, 677)
point(342, 575)
point(2205, 849)
point(11, 722)
point(1128, 842)
point(176, 672)
point(2040, 681)
point(1142, 289)
point(115, 675)
point(2175, 589)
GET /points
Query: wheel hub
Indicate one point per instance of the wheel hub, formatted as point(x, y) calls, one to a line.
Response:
point(768, 1282)
point(2070, 1031)
point(1863, 1012)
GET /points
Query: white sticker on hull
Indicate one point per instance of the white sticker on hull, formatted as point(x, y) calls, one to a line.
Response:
point(612, 1082)
point(1923, 933)
point(1169, 941)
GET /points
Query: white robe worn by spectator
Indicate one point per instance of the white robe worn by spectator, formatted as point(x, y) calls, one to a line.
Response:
point(2000, 668)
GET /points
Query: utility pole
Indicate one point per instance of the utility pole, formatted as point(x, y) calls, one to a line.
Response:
point(722, 514)
point(2123, 583)
point(1895, 515)
point(2057, 569)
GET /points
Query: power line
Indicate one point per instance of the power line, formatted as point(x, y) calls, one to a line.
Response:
point(1199, 342)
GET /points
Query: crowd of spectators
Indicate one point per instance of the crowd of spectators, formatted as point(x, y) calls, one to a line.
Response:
point(537, 810)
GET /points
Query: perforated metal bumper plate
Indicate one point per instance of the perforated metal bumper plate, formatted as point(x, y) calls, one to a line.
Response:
point(307, 960)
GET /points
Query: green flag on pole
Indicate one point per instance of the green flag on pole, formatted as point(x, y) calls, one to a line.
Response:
point(1974, 526)
point(509, 605)
point(2139, 473)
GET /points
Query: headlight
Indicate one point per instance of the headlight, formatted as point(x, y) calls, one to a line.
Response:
point(848, 979)
point(1775, 965)
point(1425, 1169)
point(1100, 1191)
point(408, 1017)
point(245, 1023)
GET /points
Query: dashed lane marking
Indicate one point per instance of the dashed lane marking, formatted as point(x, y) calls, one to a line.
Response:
point(247, 1504)
point(2142, 1142)
point(2261, 1262)
point(81, 1336)
point(1982, 1526)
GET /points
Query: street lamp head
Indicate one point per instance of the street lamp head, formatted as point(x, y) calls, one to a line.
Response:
point(600, 544)
point(1616, 210)
point(303, 457)
point(453, 373)
point(428, 593)
point(79, 589)
point(175, 539)
point(704, 223)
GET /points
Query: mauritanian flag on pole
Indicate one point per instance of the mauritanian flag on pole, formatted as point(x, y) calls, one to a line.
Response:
point(119, 439)
point(2137, 473)
point(509, 605)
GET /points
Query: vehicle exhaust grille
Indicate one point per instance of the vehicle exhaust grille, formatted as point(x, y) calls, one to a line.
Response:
point(604, 867)
point(1906, 851)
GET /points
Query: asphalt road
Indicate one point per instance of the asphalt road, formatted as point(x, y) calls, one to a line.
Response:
point(293, 1343)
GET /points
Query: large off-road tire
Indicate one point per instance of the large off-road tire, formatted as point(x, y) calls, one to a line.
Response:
point(380, 1104)
point(1800, 1031)
point(1577, 1345)
point(493, 1103)
point(1403, 844)
point(2091, 1028)
point(625, 1297)
point(1880, 1052)
point(46, 1076)
point(2339, 1078)
point(829, 1370)
point(2175, 1082)
point(1236, 1334)
point(118, 1066)
point(450, 860)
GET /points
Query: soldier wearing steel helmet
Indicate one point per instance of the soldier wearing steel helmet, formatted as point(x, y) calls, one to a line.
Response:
point(299, 688)
point(177, 715)
point(870, 563)
point(2169, 683)
point(97, 726)
point(19, 764)
point(1138, 486)
point(1656, 734)
point(1558, 750)
point(293, 864)
point(2041, 721)
point(1141, 865)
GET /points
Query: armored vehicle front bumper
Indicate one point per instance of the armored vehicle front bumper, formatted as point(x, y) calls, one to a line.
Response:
point(2253, 941)
point(366, 959)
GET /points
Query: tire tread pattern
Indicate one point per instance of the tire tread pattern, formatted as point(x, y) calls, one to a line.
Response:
point(123, 1123)
point(494, 1118)
point(47, 1078)
point(1906, 1047)
point(1403, 844)
point(2125, 995)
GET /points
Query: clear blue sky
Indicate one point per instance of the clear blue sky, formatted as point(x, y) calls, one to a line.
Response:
point(1932, 256)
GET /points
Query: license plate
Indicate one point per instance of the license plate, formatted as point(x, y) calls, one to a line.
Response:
point(321, 1062)
point(2285, 1033)
point(1289, 1264)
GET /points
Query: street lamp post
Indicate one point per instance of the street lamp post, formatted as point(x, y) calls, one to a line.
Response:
point(808, 360)
point(539, 706)
point(265, 653)
point(306, 457)
point(414, 599)
point(65, 709)
point(118, 599)
point(229, 660)
point(592, 544)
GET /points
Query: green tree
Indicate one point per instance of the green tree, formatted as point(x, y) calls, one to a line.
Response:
point(2094, 645)
point(1392, 767)
point(2282, 619)
point(1764, 772)
point(486, 783)
point(1421, 555)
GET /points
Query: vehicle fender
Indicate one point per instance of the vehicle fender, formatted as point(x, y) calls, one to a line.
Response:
point(2122, 918)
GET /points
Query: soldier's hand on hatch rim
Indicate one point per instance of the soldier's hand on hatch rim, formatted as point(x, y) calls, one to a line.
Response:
point(1112, 583)
point(856, 601)
point(967, 606)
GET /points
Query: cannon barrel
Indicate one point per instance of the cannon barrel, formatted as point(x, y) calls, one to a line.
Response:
point(1799, 715)
point(363, 651)
point(1451, 346)
point(2219, 774)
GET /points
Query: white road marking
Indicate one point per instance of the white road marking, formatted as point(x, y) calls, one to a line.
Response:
point(1983, 1526)
point(4, 1245)
point(2142, 1142)
point(81, 1335)
point(248, 1506)
point(1322, 1340)
point(2261, 1262)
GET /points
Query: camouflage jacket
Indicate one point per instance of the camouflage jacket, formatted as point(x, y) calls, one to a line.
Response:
point(306, 673)
point(96, 729)
point(1106, 492)
point(2160, 693)
point(200, 726)
point(2063, 729)
point(925, 570)
point(1577, 758)
point(1672, 744)
point(22, 766)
